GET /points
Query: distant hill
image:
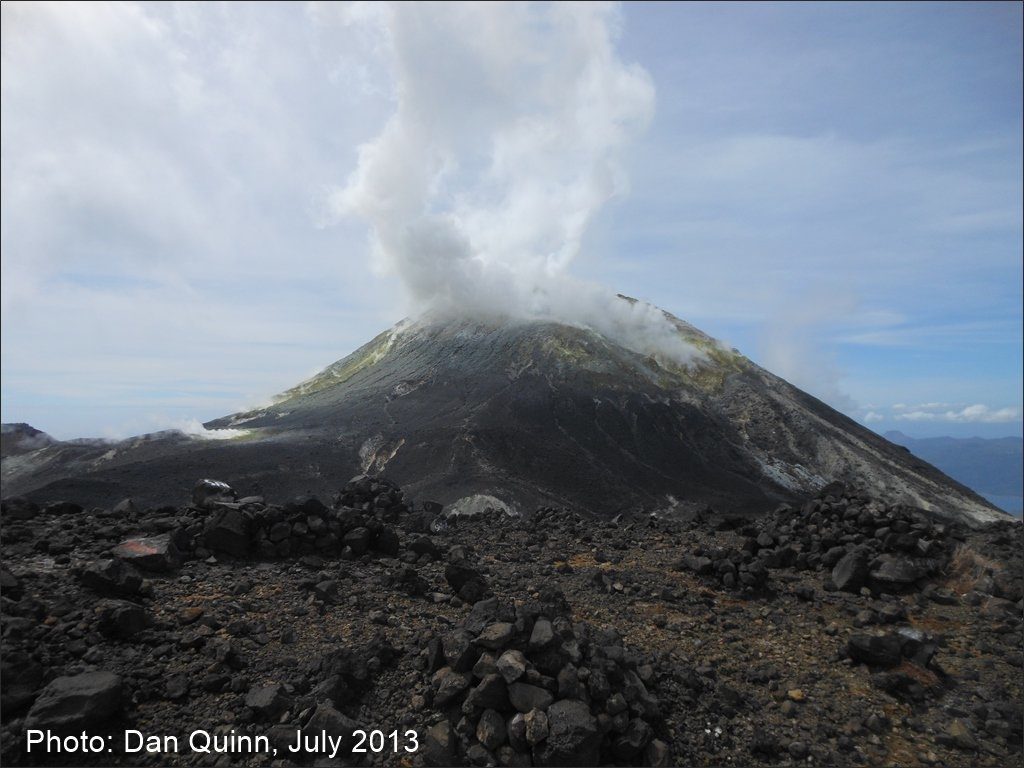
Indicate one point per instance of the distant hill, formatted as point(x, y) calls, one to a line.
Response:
point(521, 414)
point(16, 439)
point(992, 467)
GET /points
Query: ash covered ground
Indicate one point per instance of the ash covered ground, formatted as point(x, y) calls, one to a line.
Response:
point(842, 631)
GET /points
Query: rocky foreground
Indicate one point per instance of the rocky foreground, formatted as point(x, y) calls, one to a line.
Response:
point(842, 632)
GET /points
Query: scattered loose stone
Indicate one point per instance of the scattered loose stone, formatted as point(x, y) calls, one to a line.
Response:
point(554, 640)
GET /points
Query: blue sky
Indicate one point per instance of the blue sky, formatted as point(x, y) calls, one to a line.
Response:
point(833, 189)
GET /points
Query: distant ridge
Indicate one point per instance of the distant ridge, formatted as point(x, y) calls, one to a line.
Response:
point(521, 413)
point(22, 438)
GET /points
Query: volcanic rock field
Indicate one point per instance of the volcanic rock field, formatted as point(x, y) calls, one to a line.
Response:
point(837, 631)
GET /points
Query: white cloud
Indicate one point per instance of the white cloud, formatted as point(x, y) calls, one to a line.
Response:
point(785, 214)
point(977, 413)
point(939, 335)
point(159, 164)
point(873, 416)
point(164, 166)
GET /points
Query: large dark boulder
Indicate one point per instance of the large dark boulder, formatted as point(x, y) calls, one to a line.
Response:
point(631, 743)
point(450, 685)
point(917, 646)
point(467, 582)
point(496, 636)
point(70, 704)
point(151, 553)
point(525, 697)
point(573, 736)
point(326, 719)
point(425, 546)
point(307, 505)
point(121, 619)
point(893, 573)
point(358, 539)
point(208, 493)
point(10, 585)
point(112, 577)
point(491, 693)
point(702, 566)
point(227, 531)
point(386, 542)
point(22, 676)
point(439, 744)
point(459, 651)
point(875, 650)
point(851, 572)
point(268, 701)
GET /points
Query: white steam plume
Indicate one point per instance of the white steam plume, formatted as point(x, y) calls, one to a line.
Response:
point(504, 144)
point(195, 428)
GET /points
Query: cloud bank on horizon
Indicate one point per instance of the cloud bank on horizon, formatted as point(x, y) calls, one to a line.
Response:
point(977, 413)
point(835, 191)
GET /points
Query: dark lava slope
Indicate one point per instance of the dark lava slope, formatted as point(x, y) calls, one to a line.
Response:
point(473, 413)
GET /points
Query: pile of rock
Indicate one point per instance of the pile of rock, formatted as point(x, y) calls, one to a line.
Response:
point(858, 541)
point(527, 686)
point(357, 523)
point(377, 497)
point(730, 566)
point(172, 618)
